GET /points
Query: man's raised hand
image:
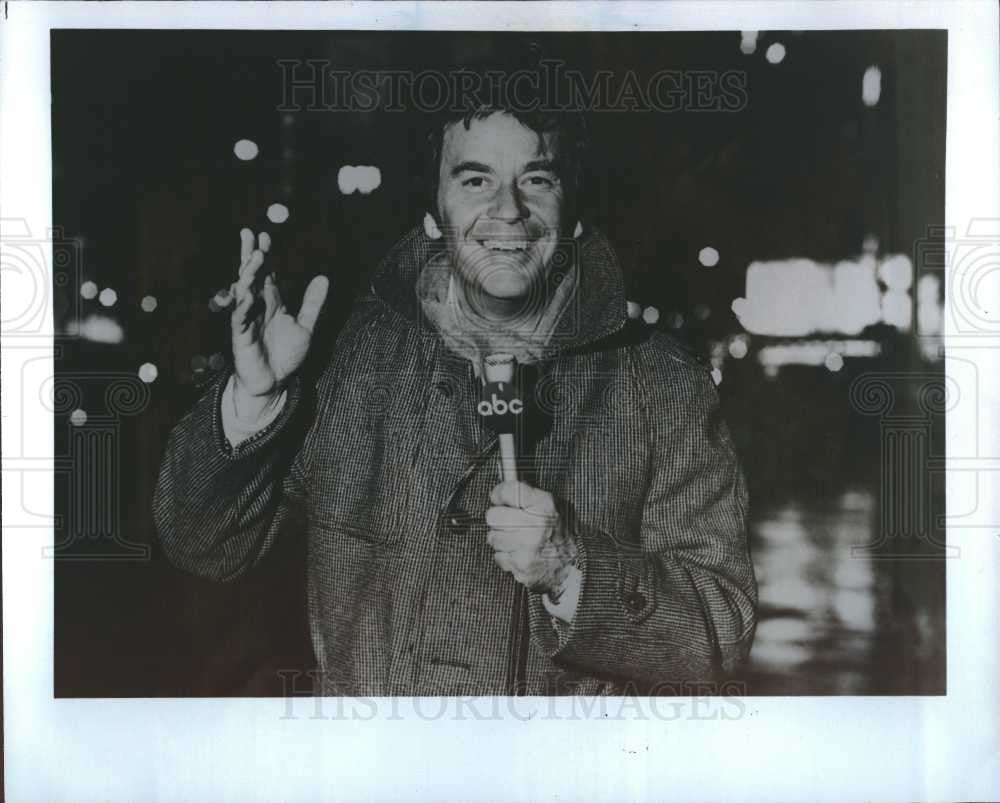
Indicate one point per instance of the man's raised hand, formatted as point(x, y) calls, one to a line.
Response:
point(269, 345)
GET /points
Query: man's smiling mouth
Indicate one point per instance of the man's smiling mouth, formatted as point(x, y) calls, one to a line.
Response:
point(505, 245)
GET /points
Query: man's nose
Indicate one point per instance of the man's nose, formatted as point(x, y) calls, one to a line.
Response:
point(508, 205)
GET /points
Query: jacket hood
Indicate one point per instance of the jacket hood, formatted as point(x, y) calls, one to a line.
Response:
point(597, 310)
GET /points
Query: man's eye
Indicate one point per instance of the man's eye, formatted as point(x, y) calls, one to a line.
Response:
point(540, 182)
point(474, 182)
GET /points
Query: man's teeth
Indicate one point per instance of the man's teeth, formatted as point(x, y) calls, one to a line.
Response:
point(505, 245)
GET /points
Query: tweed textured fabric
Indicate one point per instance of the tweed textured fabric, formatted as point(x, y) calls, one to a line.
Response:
point(385, 467)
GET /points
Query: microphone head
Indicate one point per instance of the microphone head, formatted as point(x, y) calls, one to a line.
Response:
point(499, 367)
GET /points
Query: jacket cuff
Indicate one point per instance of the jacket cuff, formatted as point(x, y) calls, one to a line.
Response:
point(617, 594)
point(211, 404)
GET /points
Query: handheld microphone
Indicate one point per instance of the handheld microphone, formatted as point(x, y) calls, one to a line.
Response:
point(500, 407)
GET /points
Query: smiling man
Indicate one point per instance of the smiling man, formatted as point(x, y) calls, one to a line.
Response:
point(617, 562)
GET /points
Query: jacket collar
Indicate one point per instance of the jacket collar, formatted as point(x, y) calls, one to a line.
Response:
point(598, 310)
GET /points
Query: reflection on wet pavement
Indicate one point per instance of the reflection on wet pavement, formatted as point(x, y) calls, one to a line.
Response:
point(837, 620)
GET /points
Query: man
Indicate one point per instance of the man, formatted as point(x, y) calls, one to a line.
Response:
point(617, 562)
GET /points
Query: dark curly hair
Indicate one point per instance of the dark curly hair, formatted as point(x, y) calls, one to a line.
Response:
point(531, 108)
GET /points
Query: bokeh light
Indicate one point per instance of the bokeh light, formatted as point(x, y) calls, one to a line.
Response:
point(100, 329)
point(717, 376)
point(775, 54)
point(78, 418)
point(88, 290)
point(148, 303)
point(362, 178)
point(896, 272)
point(651, 315)
point(277, 213)
point(148, 372)
point(634, 310)
point(748, 42)
point(871, 86)
point(833, 362)
point(708, 257)
point(108, 297)
point(897, 309)
point(245, 150)
point(738, 348)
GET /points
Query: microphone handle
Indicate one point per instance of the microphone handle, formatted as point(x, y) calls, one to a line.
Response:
point(500, 368)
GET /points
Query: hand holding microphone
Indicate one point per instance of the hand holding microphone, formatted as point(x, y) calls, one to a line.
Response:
point(529, 537)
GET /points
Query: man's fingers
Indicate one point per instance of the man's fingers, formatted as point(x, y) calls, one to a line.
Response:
point(312, 302)
point(238, 319)
point(246, 246)
point(511, 540)
point(248, 273)
point(503, 561)
point(264, 241)
point(272, 298)
point(512, 518)
point(514, 493)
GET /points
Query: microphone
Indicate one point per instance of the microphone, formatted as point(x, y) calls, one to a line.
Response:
point(500, 408)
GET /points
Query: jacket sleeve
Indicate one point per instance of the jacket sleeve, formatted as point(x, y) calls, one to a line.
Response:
point(676, 605)
point(218, 508)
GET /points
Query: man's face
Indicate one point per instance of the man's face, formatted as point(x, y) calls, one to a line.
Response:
point(500, 203)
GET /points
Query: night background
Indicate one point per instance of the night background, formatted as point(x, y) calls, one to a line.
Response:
point(790, 242)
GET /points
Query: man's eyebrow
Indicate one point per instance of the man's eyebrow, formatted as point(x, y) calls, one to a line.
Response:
point(549, 165)
point(477, 167)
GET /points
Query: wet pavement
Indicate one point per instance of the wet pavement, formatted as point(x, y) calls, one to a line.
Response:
point(837, 616)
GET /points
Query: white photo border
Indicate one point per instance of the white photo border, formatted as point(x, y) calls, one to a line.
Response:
point(830, 748)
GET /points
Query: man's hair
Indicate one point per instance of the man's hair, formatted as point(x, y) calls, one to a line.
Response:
point(529, 105)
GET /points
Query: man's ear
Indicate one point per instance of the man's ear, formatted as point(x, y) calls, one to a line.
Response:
point(431, 227)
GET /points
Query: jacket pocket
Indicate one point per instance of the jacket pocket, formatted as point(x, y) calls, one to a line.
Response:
point(366, 526)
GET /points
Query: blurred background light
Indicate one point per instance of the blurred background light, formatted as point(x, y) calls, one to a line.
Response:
point(78, 418)
point(702, 312)
point(676, 321)
point(833, 362)
point(717, 376)
point(708, 257)
point(634, 310)
point(896, 272)
point(897, 309)
point(108, 297)
point(816, 352)
point(148, 372)
point(738, 348)
point(216, 362)
point(198, 363)
point(148, 303)
point(929, 308)
point(100, 329)
point(871, 86)
point(651, 315)
point(799, 297)
point(277, 213)
point(748, 42)
point(88, 290)
point(363, 179)
point(245, 150)
point(775, 53)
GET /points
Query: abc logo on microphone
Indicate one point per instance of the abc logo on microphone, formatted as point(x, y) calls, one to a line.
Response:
point(499, 406)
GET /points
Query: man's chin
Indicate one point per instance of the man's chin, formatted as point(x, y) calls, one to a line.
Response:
point(505, 283)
